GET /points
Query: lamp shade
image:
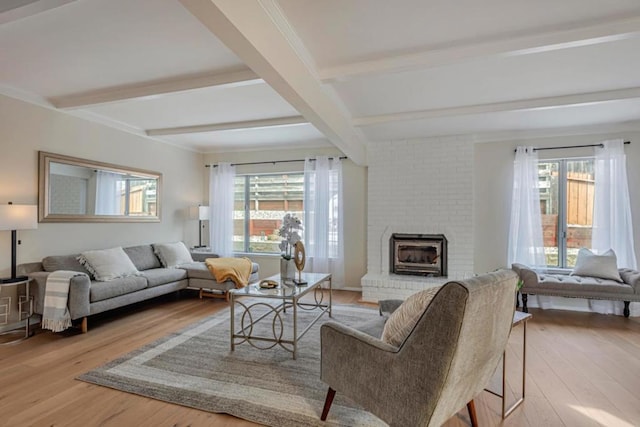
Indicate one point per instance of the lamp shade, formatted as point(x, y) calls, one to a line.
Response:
point(199, 212)
point(203, 213)
point(18, 217)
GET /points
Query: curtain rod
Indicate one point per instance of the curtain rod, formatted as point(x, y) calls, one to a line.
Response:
point(571, 146)
point(274, 162)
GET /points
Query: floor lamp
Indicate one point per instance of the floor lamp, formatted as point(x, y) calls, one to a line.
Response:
point(201, 213)
point(17, 217)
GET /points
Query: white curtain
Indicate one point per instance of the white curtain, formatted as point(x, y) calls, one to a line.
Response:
point(221, 186)
point(108, 193)
point(323, 218)
point(525, 231)
point(612, 226)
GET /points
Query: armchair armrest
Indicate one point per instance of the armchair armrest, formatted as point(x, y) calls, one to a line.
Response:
point(350, 358)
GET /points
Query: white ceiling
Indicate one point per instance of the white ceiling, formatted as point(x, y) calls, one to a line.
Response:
point(224, 75)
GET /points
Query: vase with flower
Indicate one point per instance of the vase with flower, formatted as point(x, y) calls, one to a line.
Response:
point(289, 231)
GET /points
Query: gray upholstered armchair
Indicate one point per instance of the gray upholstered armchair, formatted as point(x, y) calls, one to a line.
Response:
point(446, 360)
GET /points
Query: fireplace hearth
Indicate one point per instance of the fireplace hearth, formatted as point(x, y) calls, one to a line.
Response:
point(418, 254)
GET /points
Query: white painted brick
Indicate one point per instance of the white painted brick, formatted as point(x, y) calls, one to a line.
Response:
point(418, 186)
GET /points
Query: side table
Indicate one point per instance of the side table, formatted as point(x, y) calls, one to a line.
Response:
point(519, 318)
point(24, 313)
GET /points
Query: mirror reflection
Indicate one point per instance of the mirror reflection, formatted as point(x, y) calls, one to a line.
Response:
point(73, 189)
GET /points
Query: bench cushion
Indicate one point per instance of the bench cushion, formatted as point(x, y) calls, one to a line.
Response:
point(581, 284)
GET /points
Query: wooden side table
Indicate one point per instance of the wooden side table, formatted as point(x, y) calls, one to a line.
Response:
point(519, 318)
point(25, 311)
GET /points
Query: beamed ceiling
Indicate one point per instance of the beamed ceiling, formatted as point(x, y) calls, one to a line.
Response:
point(226, 75)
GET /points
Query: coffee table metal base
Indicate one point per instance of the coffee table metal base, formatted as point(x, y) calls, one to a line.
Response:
point(274, 313)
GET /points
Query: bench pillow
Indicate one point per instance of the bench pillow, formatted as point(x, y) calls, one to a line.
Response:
point(108, 264)
point(603, 266)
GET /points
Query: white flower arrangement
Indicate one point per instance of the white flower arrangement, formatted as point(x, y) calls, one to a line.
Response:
point(289, 232)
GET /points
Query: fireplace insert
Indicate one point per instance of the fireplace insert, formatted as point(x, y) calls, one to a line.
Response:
point(418, 254)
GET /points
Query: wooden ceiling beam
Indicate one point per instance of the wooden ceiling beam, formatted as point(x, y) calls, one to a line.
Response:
point(504, 45)
point(520, 105)
point(26, 8)
point(259, 34)
point(213, 127)
point(152, 89)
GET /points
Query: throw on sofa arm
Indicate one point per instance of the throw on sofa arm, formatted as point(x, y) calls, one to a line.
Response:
point(78, 294)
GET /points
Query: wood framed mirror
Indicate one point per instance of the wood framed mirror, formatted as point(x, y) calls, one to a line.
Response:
point(71, 189)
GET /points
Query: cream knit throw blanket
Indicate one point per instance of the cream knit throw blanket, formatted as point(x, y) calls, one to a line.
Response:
point(55, 315)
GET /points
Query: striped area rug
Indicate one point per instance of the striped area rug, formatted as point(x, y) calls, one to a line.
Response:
point(195, 368)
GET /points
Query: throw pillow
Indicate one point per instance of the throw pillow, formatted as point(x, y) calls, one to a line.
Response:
point(172, 254)
point(603, 266)
point(404, 318)
point(108, 264)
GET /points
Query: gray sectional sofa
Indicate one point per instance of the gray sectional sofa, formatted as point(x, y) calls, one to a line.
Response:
point(565, 285)
point(88, 296)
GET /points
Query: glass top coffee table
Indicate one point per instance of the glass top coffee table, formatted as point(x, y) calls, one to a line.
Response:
point(270, 306)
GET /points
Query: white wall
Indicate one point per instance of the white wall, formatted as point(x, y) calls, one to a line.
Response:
point(26, 129)
point(493, 179)
point(355, 196)
point(421, 186)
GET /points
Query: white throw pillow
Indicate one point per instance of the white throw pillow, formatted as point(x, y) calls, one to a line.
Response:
point(108, 264)
point(604, 266)
point(172, 254)
point(404, 318)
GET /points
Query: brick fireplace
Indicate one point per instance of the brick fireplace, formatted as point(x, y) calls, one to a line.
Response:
point(423, 186)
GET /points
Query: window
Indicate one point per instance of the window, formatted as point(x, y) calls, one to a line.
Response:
point(260, 203)
point(566, 203)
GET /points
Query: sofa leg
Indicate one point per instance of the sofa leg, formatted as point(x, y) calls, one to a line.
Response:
point(327, 403)
point(524, 303)
point(84, 325)
point(471, 407)
point(200, 294)
point(626, 309)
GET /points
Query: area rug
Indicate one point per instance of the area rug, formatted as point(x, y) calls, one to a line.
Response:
point(195, 368)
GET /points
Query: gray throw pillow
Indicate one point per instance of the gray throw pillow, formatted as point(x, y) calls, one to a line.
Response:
point(604, 266)
point(108, 264)
point(172, 254)
point(402, 321)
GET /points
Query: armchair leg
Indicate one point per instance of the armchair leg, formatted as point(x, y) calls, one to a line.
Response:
point(327, 403)
point(471, 407)
point(524, 303)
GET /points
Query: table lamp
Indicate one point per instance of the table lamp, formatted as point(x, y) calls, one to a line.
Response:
point(17, 217)
point(201, 213)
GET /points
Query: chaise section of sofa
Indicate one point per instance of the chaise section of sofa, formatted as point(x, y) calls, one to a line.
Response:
point(88, 296)
point(565, 285)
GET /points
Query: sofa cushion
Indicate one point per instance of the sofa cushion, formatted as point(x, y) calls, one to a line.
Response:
point(161, 276)
point(64, 262)
point(108, 264)
point(172, 254)
point(143, 257)
point(603, 266)
point(199, 270)
point(125, 285)
point(402, 321)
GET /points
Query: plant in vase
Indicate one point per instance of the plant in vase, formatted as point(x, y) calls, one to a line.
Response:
point(289, 231)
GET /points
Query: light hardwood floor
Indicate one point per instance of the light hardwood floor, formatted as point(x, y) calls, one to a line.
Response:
point(582, 370)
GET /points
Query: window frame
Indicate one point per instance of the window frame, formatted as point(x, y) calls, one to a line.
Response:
point(247, 208)
point(562, 228)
